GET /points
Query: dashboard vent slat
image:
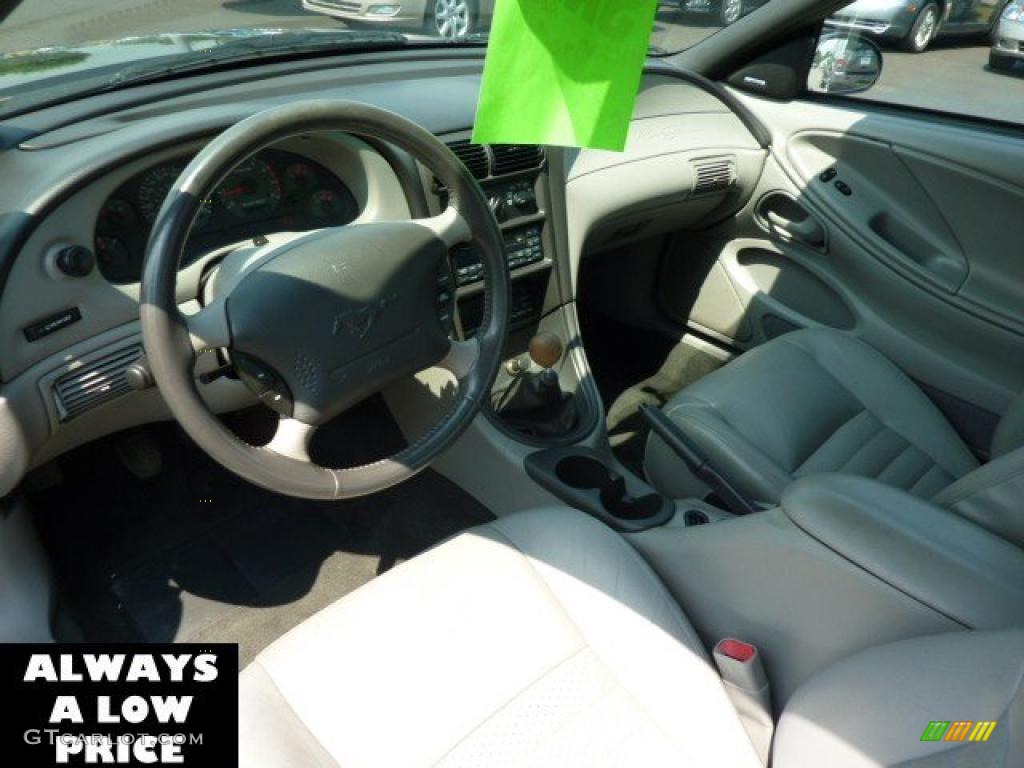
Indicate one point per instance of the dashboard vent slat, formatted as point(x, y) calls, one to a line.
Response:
point(716, 175)
point(473, 156)
point(509, 158)
point(94, 383)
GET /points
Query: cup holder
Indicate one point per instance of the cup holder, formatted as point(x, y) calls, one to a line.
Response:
point(694, 517)
point(588, 474)
point(582, 472)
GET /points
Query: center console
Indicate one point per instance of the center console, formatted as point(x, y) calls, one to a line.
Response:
point(536, 397)
point(845, 563)
point(514, 180)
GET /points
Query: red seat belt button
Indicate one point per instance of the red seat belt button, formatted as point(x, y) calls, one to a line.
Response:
point(736, 649)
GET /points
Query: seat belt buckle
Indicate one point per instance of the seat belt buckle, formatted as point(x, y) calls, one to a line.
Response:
point(740, 665)
point(746, 682)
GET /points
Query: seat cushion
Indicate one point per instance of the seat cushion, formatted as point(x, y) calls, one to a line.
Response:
point(872, 709)
point(540, 639)
point(809, 402)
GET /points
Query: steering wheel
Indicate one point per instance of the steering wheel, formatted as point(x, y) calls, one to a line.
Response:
point(322, 320)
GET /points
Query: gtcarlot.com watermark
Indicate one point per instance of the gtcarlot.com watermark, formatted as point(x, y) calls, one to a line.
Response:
point(151, 748)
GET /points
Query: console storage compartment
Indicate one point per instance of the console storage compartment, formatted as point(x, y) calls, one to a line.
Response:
point(927, 552)
point(844, 564)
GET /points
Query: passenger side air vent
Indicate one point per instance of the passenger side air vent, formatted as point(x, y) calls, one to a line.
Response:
point(714, 175)
point(473, 156)
point(94, 383)
point(509, 158)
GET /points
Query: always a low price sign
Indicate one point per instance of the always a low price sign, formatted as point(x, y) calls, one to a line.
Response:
point(119, 705)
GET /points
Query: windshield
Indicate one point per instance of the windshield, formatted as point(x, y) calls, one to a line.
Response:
point(50, 49)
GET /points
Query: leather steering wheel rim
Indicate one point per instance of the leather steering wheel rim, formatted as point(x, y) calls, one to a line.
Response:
point(172, 340)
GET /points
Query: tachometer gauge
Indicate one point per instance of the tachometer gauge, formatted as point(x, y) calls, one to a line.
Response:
point(251, 191)
point(326, 206)
point(154, 188)
point(116, 216)
point(299, 178)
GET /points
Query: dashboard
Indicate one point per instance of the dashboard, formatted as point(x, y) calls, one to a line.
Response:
point(94, 175)
point(273, 191)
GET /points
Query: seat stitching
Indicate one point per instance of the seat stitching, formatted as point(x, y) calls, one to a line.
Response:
point(914, 487)
point(494, 713)
point(576, 717)
point(295, 714)
point(928, 467)
point(645, 569)
point(722, 441)
point(896, 459)
point(893, 369)
point(829, 437)
point(882, 431)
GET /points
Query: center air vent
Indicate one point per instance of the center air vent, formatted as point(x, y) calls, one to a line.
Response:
point(714, 175)
point(509, 158)
point(94, 383)
point(473, 156)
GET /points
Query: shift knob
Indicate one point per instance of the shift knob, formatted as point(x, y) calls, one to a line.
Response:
point(545, 349)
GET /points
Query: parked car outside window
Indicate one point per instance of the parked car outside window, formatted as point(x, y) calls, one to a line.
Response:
point(915, 24)
point(1008, 40)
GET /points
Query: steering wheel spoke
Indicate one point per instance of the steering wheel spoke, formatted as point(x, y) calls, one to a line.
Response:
point(292, 439)
point(450, 226)
point(209, 328)
point(462, 358)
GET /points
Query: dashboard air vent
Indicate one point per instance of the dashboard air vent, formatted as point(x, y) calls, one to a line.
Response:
point(509, 158)
point(715, 175)
point(473, 156)
point(94, 383)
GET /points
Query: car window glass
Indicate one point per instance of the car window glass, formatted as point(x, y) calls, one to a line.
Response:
point(42, 41)
point(960, 56)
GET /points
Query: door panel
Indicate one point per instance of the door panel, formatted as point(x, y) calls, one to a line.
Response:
point(922, 258)
point(881, 195)
point(937, 221)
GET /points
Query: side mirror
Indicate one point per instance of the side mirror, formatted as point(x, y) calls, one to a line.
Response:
point(844, 62)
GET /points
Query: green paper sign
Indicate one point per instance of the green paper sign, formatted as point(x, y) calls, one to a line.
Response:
point(563, 72)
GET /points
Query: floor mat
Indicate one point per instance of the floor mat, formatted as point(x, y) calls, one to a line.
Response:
point(196, 554)
point(627, 430)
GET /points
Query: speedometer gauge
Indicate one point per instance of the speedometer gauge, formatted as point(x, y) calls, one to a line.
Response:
point(154, 188)
point(251, 191)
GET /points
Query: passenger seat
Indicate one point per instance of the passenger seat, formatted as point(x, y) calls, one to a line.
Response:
point(818, 400)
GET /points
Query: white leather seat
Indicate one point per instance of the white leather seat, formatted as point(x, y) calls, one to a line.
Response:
point(539, 639)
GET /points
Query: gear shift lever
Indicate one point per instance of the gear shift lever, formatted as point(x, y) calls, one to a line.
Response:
point(545, 349)
point(535, 400)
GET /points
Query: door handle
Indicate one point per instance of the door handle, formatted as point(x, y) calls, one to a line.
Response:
point(806, 230)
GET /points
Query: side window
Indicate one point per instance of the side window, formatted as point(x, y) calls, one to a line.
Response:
point(960, 56)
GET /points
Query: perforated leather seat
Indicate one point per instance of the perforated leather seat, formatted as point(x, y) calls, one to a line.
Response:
point(816, 401)
point(542, 639)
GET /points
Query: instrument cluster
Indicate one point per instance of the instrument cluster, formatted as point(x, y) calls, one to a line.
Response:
point(273, 191)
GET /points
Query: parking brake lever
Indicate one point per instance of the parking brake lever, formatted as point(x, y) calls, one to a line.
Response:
point(667, 430)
